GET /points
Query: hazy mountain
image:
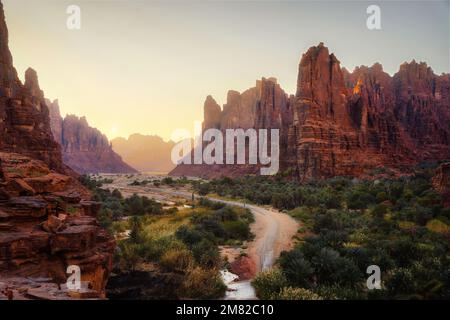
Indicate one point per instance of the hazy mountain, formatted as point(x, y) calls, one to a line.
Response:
point(145, 152)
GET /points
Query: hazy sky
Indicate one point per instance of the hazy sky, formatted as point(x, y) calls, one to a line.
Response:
point(147, 66)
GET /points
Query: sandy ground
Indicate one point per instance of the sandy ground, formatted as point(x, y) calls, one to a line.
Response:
point(273, 234)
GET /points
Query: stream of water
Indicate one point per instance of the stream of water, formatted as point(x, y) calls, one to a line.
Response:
point(237, 290)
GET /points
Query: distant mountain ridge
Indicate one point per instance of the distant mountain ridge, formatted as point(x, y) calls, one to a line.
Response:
point(85, 149)
point(146, 153)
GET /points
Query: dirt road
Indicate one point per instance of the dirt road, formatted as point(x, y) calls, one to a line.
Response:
point(273, 231)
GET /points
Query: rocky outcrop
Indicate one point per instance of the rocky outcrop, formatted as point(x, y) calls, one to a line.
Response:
point(20, 288)
point(147, 153)
point(340, 130)
point(48, 223)
point(264, 106)
point(342, 123)
point(212, 114)
point(24, 121)
point(56, 120)
point(85, 149)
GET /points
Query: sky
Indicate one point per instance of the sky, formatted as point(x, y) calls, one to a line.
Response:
point(147, 66)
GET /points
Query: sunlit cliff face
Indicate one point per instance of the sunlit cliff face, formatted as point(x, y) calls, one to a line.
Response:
point(358, 87)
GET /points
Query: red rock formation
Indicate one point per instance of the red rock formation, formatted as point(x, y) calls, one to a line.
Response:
point(342, 123)
point(422, 107)
point(211, 114)
point(264, 106)
point(24, 123)
point(47, 221)
point(56, 121)
point(85, 149)
point(341, 131)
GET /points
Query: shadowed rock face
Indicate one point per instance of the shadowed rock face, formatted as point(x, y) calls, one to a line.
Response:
point(24, 121)
point(342, 123)
point(85, 149)
point(212, 114)
point(264, 106)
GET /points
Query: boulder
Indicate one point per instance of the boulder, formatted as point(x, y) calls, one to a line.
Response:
point(52, 224)
point(50, 183)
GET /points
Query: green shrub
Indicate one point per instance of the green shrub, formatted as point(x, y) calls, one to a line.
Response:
point(203, 284)
point(206, 253)
point(237, 229)
point(177, 260)
point(290, 293)
point(269, 283)
point(297, 269)
point(188, 235)
point(129, 256)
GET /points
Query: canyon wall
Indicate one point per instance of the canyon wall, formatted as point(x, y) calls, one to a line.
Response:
point(340, 123)
point(47, 220)
point(24, 121)
point(84, 149)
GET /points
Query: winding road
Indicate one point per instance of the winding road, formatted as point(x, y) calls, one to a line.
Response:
point(273, 232)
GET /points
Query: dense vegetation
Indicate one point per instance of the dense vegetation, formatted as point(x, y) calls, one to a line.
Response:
point(169, 181)
point(173, 251)
point(399, 225)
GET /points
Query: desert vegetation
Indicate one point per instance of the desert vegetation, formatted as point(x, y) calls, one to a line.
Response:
point(398, 224)
point(168, 251)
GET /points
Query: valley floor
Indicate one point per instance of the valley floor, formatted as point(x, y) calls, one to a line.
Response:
point(273, 230)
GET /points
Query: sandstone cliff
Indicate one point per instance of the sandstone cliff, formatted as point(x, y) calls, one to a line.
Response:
point(145, 152)
point(265, 105)
point(341, 123)
point(24, 122)
point(47, 221)
point(85, 149)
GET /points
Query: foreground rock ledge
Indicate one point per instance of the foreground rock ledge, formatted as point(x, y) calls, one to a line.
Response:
point(47, 222)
